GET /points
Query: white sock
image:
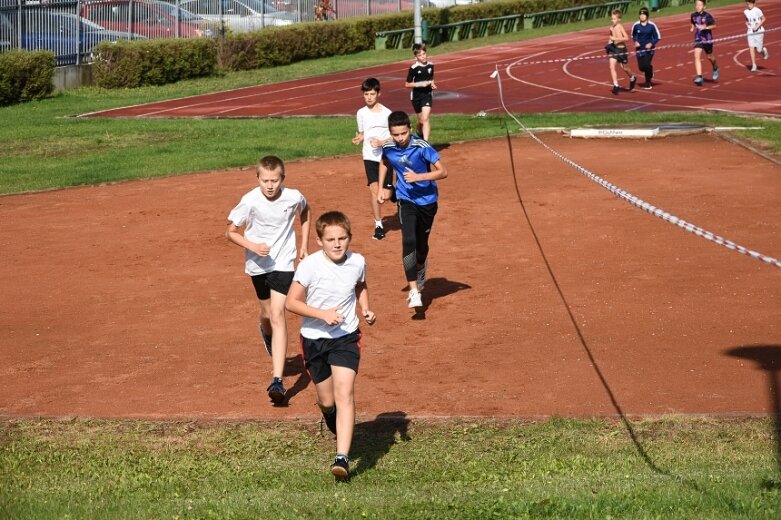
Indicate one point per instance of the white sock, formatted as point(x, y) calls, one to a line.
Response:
point(378, 223)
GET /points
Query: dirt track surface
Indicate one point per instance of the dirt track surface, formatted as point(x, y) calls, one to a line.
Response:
point(127, 301)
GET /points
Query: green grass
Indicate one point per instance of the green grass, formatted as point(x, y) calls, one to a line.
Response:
point(44, 147)
point(559, 468)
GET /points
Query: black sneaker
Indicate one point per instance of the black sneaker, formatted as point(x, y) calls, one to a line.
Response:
point(379, 233)
point(266, 339)
point(340, 469)
point(276, 391)
point(632, 82)
point(615, 90)
point(330, 419)
point(648, 85)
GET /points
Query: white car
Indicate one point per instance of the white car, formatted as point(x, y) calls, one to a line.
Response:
point(450, 3)
point(239, 15)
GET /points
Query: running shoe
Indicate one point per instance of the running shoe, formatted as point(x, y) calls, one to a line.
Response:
point(379, 233)
point(632, 82)
point(698, 80)
point(340, 469)
point(754, 68)
point(765, 54)
point(422, 275)
point(615, 90)
point(329, 418)
point(414, 299)
point(276, 391)
point(648, 85)
point(266, 338)
point(715, 74)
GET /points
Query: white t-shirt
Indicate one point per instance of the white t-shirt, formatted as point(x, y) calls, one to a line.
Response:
point(330, 285)
point(373, 124)
point(753, 16)
point(269, 222)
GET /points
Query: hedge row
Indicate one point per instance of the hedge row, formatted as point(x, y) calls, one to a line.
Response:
point(25, 76)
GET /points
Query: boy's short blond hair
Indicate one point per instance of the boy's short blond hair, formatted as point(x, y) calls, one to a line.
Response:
point(270, 163)
point(333, 218)
point(617, 12)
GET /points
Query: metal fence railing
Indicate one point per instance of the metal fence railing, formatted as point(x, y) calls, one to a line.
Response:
point(72, 28)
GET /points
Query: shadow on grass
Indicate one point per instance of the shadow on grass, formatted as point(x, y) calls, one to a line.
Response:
point(372, 440)
point(768, 359)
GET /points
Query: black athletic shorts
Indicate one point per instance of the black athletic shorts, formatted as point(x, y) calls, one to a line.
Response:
point(707, 47)
point(279, 281)
point(617, 53)
point(321, 354)
point(419, 102)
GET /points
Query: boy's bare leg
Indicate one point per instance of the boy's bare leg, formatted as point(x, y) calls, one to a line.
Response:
point(344, 396)
point(697, 62)
point(613, 73)
point(265, 312)
point(424, 122)
point(712, 59)
point(374, 189)
point(753, 55)
point(279, 333)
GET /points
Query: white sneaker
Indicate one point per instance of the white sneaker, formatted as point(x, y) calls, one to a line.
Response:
point(422, 275)
point(754, 68)
point(765, 54)
point(414, 299)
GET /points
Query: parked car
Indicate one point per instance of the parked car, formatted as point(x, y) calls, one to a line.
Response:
point(67, 35)
point(240, 15)
point(151, 18)
point(451, 3)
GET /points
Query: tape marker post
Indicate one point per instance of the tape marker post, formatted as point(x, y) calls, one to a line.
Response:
point(634, 200)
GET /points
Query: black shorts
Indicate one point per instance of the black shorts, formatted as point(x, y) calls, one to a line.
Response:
point(279, 281)
point(618, 53)
point(321, 354)
point(372, 171)
point(419, 102)
point(707, 47)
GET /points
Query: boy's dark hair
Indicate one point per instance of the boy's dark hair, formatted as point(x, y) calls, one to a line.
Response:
point(333, 218)
point(616, 12)
point(270, 163)
point(399, 118)
point(370, 84)
point(418, 47)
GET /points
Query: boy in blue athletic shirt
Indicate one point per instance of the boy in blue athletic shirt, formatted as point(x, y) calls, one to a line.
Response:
point(417, 167)
point(646, 35)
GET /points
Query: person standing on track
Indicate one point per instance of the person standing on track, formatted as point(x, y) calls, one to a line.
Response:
point(755, 23)
point(266, 214)
point(616, 49)
point(702, 24)
point(417, 167)
point(325, 290)
point(420, 78)
point(646, 35)
point(372, 122)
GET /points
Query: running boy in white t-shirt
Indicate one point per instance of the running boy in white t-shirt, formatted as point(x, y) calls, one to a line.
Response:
point(755, 24)
point(325, 290)
point(267, 214)
point(373, 132)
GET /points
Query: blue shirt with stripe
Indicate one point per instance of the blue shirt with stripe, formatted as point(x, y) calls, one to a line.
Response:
point(417, 156)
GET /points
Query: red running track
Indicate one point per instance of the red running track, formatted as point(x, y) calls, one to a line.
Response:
point(562, 73)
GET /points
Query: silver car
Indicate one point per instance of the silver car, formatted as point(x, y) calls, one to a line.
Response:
point(240, 15)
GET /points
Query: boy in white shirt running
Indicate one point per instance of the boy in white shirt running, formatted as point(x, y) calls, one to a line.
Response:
point(755, 23)
point(373, 132)
point(267, 214)
point(325, 290)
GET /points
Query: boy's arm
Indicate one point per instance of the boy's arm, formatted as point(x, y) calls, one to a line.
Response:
point(306, 222)
point(362, 294)
point(296, 303)
point(234, 234)
point(438, 171)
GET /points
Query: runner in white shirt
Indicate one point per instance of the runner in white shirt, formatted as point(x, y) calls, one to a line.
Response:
point(373, 132)
point(755, 26)
point(325, 290)
point(266, 215)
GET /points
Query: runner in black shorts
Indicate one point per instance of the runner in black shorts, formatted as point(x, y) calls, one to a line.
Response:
point(420, 78)
point(616, 49)
point(702, 24)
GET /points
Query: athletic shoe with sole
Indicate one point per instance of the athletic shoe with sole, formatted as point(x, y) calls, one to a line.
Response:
point(266, 338)
point(340, 469)
point(615, 90)
point(422, 275)
point(648, 85)
point(414, 299)
point(698, 80)
point(379, 233)
point(329, 418)
point(754, 68)
point(765, 54)
point(715, 74)
point(276, 391)
point(632, 82)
